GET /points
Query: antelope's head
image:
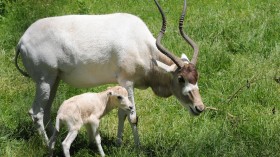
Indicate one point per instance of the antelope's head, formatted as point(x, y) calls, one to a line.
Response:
point(184, 74)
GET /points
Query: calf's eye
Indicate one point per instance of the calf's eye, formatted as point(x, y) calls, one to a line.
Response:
point(120, 97)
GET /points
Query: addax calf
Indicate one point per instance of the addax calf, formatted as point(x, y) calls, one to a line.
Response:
point(88, 109)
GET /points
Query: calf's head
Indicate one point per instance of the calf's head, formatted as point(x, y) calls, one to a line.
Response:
point(118, 96)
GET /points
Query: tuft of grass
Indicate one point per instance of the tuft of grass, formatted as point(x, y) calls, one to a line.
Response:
point(239, 70)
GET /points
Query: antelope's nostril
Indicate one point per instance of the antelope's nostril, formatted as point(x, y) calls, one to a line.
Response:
point(198, 109)
point(131, 107)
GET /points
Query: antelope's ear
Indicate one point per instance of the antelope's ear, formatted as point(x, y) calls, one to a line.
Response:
point(185, 58)
point(165, 67)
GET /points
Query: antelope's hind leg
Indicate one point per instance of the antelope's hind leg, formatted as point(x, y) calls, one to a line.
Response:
point(43, 94)
point(47, 109)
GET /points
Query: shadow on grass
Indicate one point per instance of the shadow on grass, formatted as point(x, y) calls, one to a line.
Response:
point(155, 149)
point(25, 130)
point(81, 147)
point(81, 143)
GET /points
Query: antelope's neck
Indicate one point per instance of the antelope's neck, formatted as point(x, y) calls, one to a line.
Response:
point(160, 82)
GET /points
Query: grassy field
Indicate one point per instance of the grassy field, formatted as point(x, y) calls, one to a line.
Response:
point(239, 65)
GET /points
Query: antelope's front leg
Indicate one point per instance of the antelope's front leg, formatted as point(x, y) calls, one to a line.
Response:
point(131, 117)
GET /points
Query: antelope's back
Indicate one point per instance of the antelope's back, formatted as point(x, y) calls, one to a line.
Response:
point(82, 46)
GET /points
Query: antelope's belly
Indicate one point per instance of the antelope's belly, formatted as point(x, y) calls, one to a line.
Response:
point(89, 76)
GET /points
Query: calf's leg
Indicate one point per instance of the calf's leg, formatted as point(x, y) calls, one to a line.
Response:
point(66, 144)
point(96, 135)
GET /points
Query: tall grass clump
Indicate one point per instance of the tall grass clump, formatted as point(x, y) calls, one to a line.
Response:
point(239, 69)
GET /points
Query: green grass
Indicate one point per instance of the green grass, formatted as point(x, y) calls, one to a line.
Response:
point(239, 43)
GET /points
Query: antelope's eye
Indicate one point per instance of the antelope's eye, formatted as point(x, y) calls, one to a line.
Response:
point(120, 97)
point(181, 79)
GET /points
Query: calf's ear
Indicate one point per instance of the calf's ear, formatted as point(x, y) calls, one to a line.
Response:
point(110, 93)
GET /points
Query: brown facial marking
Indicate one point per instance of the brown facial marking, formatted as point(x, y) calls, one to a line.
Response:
point(189, 73)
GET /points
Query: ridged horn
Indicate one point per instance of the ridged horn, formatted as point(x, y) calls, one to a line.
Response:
point(162, 49)
point(185, 36)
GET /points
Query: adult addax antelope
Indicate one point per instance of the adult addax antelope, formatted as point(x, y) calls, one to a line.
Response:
point(90, 50)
